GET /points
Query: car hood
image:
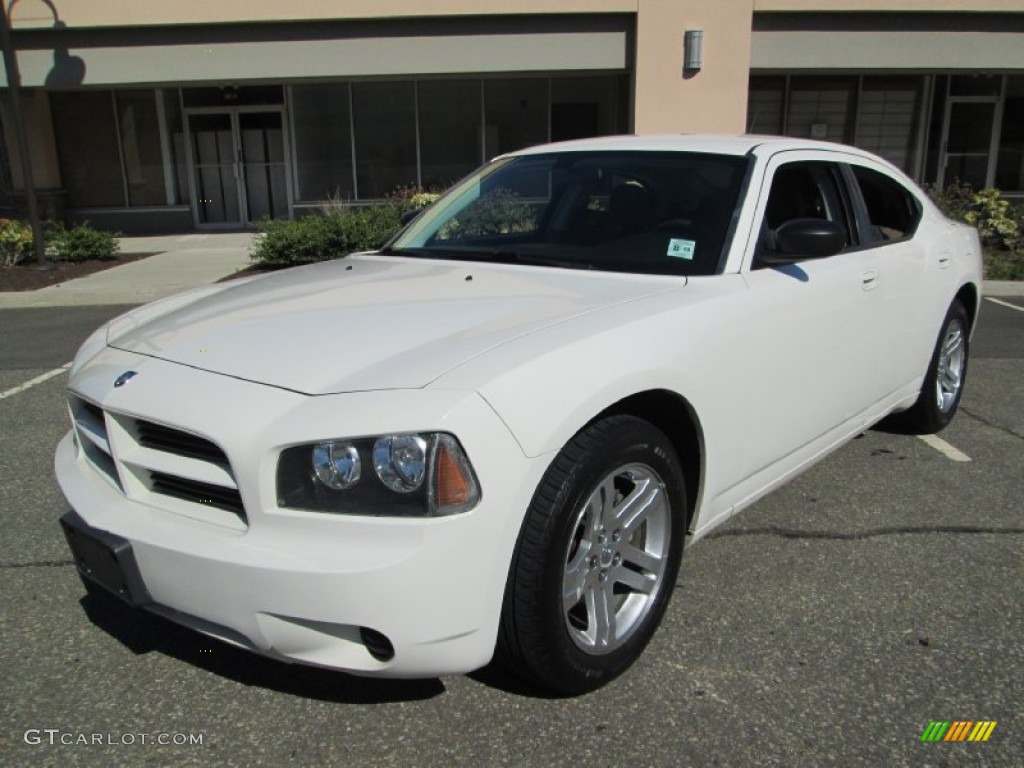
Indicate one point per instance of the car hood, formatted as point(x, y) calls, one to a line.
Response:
point(367, 322)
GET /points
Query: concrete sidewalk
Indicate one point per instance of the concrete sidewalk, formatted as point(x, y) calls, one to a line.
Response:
point(182, 262)
point(189, 261)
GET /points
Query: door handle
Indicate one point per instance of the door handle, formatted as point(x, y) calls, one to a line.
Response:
point(869, 279)
point(945, 259)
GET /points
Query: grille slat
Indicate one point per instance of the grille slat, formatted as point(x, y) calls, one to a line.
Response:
point(161, 438)
point(94, 410)
point(146, 471)
point(198, 493)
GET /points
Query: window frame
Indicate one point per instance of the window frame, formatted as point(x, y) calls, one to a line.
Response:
point(862, 211)
point(846, 203)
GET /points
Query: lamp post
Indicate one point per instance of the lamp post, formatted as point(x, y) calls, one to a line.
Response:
point(14, 88)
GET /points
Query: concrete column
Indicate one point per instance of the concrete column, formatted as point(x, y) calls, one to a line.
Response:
point(711, 100)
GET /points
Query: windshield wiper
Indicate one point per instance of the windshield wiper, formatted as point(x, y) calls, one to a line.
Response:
point(388, 250)
point(498, 256)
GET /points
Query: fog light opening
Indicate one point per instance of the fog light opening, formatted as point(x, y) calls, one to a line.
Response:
point(377, 644)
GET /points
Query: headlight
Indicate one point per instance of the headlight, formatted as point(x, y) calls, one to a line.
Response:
point(414, 475)
point(401, 461)
point(337, 465)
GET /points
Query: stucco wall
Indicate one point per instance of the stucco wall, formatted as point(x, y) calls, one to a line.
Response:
point(711, 100)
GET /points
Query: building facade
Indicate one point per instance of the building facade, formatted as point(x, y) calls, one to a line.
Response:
point(161, 116)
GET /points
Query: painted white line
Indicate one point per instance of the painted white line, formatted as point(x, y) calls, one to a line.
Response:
point(945, 448)
point(1005, 304)
point(37, 380)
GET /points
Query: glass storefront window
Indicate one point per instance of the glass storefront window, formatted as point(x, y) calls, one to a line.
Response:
point(975, 85)
point(140, 147)
point(887, 118)
point(765, 101)
point(822, 108)
point(450, 136)
point(515, 114)
point(385, 137)
point(585, 106)
point(323, 142)
point(86, 135)
point(1010, 164)
point(176, 134)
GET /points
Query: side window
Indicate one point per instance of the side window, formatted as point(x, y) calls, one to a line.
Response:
point(805, 190)
point(893, 212)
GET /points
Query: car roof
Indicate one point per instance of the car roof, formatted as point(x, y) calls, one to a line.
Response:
point(723, 144)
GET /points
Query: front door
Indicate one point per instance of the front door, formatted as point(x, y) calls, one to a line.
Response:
point(239, 167)
point(969, 143)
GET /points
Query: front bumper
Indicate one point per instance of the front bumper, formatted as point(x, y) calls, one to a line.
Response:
point(304, 586)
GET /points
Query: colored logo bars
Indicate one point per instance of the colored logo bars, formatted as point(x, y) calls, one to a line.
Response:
point(959, 730)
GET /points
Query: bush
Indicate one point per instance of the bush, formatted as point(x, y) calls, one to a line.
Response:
point(15, 242)
point(1000, 226)
point(83, 243)
point(324, 236)
point(955, 200)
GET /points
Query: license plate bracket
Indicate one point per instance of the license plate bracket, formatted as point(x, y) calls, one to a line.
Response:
point(105, 559)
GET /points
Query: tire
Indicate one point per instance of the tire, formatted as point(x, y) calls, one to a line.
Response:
point(944, 382)
point(586, 536)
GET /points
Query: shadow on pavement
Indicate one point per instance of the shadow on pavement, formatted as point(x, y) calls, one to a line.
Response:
point(143, 632)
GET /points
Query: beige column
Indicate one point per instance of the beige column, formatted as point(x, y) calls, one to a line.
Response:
point(711, 100)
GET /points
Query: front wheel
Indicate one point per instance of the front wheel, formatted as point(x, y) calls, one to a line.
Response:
point(944, 382)
point(597, 557)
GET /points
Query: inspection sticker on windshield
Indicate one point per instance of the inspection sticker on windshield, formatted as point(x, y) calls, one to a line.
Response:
point(681, 249)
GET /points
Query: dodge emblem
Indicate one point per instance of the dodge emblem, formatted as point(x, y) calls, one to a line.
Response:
point(124, 378)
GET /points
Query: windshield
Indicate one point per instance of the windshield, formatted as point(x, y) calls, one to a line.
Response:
point(646, 212)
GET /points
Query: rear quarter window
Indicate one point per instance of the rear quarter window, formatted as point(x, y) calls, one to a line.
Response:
point(892, 209)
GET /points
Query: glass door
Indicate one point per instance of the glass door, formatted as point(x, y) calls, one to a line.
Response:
point(263, 165)
point(969, 143)
point(239, 167)
point(214, 169)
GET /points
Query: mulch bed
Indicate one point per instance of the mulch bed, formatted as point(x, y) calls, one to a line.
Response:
point(28, 277)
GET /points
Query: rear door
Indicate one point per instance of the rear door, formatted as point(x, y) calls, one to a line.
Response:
point(890, 214)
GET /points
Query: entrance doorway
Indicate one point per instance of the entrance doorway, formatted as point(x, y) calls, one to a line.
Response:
point(970, 142)
point(239, 167)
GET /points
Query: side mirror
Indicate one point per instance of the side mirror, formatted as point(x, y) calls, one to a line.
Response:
point(809, 239)
point(408, 216)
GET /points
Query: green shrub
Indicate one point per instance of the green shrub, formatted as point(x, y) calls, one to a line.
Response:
point(994, 217)
point(1000, 226)
point(1003, 264)
point(15, 242)
point(335, 232)
point(955, 200)
point(83, 243)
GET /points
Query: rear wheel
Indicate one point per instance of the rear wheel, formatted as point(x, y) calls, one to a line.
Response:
point(944, 382)
point(597, 557)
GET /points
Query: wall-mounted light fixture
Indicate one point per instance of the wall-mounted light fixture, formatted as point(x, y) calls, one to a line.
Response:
point(693, 51)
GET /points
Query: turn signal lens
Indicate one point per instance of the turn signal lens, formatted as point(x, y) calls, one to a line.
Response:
point(455, 487)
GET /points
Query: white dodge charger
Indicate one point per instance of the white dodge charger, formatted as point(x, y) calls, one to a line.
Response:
point(493, 436)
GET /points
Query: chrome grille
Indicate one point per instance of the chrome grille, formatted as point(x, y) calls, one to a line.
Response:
point(160, 465)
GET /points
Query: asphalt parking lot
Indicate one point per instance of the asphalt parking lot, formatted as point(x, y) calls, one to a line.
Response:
point(827, 625)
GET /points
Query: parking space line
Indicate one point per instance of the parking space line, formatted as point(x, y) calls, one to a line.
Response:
point(37, 380)
point(947, 450)
point(1004, 304)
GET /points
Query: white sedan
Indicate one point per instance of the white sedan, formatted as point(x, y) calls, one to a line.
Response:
point(493, 436)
